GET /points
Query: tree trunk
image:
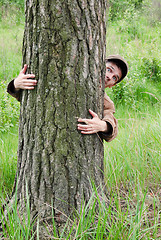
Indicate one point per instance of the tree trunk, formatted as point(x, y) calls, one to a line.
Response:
point(64, 45)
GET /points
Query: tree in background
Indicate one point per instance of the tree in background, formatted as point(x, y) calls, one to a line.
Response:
point(64, 45)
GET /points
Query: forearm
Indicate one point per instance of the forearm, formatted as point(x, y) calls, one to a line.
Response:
point(103, 127)
point(12, 91)
point(112, 129)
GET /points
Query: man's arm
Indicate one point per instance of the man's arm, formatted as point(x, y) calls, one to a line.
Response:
point(12, 91)
point(23, 81)
point(93, 125)
point(106, 128)
point(108, 114)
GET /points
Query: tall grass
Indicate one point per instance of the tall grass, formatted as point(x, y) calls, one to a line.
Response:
point(8, 159)
point(131, 209)
point(135, 154)
point(11, 33)
point(103, 217)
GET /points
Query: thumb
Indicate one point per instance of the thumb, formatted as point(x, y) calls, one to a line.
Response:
point(93, 113)
point(24, 69)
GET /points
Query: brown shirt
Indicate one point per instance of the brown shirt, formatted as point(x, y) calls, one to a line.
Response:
point(108, 116)
point(108, 113)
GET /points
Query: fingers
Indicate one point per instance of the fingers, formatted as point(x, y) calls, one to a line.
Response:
point(88, 132)
point(86, 129)
point(88, 121)
point(85, 120)
point(20, 83)
point(93, 113)
point(28, 84)
point(29, 81)
point(91, 126)
point(24, 69)
point(29, 76)
point(27, 88)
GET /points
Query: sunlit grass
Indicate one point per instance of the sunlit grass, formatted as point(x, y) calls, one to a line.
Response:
point(11, 33)
point(135, 153)
point(10, 52)
point(8, 160)
point(104, 217)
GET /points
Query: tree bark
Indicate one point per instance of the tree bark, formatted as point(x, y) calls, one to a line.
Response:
point(64, 45)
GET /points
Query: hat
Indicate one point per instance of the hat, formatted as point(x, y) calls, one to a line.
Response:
point(120, 61)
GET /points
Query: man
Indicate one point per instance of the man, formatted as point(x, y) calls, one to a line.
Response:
point(116, 70)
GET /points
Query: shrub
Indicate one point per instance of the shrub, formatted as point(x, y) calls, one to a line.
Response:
point(136, 92)
point(19, 3)
point(151, 69)
point(9, 9)
point(117, 8)
point(121, 93)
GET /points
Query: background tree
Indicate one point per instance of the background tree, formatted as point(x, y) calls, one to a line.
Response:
point(64, 45)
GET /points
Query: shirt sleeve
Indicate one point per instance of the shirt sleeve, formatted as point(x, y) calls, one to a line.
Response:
point(108, 117)
point(13, 92)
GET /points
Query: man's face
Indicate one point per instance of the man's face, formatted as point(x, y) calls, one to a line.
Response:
point(113, 74)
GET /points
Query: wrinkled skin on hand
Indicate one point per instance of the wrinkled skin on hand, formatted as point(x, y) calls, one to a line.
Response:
point(25, 81)
point(93, 125)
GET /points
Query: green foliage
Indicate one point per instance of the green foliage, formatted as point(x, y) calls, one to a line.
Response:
point(136, 93)
point(10, 65)
point(9, 9)
point(151, 69)
point(18, 3)
point(118, 9)
point(155, 12)
point(133, 36)
point(9, 110)
point(122, 93)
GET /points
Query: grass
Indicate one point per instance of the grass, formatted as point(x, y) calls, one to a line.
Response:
point(132, 161)
point(132, 170)
point(10, 63)
point(8, 159)
point(102, 218)
point(135, 153)
point(10, 51)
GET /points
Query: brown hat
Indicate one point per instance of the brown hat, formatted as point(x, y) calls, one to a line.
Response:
point(120, 61)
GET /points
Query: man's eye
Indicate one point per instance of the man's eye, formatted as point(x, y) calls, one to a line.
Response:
point(108, 70)
point(114, 78)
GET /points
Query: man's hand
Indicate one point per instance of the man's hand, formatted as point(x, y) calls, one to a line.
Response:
point(25, 81)
point(93, 125)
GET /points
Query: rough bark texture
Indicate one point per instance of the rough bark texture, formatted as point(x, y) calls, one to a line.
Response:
point(64, 45)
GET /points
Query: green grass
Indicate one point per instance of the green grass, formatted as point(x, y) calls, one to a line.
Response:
point(10, 51)
point(135, 154)
point(8, 159)
point(113, 217)
point(131, 210)
point(11, 33)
